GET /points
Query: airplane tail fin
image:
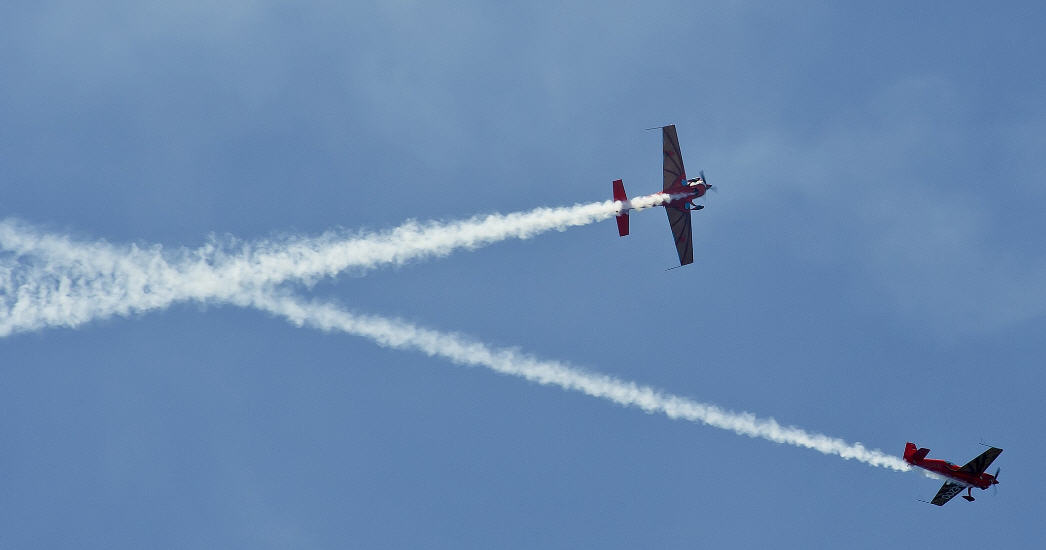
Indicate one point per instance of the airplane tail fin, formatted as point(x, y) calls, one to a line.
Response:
point(622, 218)
point(913, 453)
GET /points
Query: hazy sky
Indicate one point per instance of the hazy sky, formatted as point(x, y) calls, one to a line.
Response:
point(872, 269)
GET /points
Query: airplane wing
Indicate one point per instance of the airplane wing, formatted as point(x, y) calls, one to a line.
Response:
point(673, 164)
point(948, 490)
point(675, 176)
point(682, 233)
point(978, 465)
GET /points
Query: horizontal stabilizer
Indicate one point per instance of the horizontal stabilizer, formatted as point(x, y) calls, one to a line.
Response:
point(622, 224)
point(622, 218)
point(914, 454)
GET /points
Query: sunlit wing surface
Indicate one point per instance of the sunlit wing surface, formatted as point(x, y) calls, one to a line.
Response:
point(978, 465)
point(948, 490)
point(681, 233)
point(675, 175)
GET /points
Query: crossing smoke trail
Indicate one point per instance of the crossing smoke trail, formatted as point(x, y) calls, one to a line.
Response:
point(50, 280)
point(460, 350)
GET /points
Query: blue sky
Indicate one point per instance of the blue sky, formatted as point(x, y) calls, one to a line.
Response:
point(872, 269)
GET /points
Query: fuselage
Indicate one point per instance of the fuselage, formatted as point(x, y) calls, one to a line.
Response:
point(685, 193)
point(953, 472)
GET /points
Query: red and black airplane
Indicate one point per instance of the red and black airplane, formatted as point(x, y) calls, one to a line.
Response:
point(683, 191)
point(969, 476)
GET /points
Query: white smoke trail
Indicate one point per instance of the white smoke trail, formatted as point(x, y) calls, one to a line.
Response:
point(67, 283)
point(51, 280)
point(461, 350)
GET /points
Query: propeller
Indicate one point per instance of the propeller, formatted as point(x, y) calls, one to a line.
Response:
point(706, 185)
point(995, 486)
point(709, 186)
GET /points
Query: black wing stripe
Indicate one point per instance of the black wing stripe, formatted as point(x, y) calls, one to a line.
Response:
point(673, 158)
point(981, 463)
point(682, 233)
point(948, 490)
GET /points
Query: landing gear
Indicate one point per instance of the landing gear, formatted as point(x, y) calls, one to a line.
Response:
point(969, 495)
point(696, 206)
